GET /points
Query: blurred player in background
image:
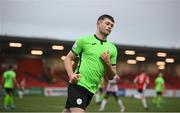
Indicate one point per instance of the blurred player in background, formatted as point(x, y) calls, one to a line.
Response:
point(22, 88)
point(141, 81)
point(99, 95)
point(160, 89)
point(112, 89)
point(8, 81)
point(96, 57)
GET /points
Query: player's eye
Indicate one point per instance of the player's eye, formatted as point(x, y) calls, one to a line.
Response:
point(108, 23)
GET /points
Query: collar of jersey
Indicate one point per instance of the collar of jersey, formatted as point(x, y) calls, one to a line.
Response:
point(99, 39)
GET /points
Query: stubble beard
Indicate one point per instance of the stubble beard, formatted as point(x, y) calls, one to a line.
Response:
point(104, 33)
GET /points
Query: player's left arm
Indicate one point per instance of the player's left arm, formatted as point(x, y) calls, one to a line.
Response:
point(110, 61)
point(164, 88)
point(117, 78)
point(148, 80)
point(15, 81)
point(111, 71)
point(135, 81)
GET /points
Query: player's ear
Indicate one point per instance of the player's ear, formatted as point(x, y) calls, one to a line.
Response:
point(99, 22)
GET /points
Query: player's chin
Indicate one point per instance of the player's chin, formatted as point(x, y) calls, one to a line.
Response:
point(106, 33)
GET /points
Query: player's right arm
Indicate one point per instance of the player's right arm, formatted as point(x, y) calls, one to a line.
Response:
point(148, 80)
point(164, 88)
point(76, 50)
point(3, 79)
point(73, 78)
point(15, 81)
point(135, 80)
point(110, 58)
point(2, 82)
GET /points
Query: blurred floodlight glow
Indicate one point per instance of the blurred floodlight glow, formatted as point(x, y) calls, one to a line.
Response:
point(130, 52)
point(36, 52)
point(57, 47)
point(169, 60)
point(161, 54)
point(14, 44)
point(160, 63)
point(131, 61)
point(161, 67)
point(140, 58)
point(63, 57)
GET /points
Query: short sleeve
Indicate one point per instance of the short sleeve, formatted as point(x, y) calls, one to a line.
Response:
point(4, 74)
point(14, 74)
point(113, 56)
point(77, 47)
point(162, 81)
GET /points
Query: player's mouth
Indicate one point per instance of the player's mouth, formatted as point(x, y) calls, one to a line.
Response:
point(108, 30)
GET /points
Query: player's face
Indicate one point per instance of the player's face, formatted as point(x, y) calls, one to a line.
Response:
point(105, 26)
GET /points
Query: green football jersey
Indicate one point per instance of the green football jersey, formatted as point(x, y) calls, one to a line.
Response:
point(91, 67)
point(159, 84)
point(8, 76)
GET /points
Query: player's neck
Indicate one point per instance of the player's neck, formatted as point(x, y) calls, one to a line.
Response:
point(100, 36)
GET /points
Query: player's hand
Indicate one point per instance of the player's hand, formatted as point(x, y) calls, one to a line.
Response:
point(18, 86)
point(117, 77)
point(73, 79)
point(106, 57)
point(164, 92)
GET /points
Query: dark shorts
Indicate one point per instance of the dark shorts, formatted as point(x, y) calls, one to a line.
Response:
point(101, 90)
point(9, 90)
point(109, 93)
point(21, 89)
point(159, 93)
point(78, 96)
point(140, 90)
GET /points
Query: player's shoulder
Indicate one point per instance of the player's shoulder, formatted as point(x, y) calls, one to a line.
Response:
point(7, 72)
point(112, 45)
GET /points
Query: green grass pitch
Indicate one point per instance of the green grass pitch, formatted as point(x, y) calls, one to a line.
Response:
point(56, 104)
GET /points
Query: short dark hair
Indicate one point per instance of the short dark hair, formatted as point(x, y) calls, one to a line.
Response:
point(10, 67)
point(102, 17)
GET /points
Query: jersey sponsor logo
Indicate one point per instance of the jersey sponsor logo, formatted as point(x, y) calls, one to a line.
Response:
point(93, 43)
point(79, 101)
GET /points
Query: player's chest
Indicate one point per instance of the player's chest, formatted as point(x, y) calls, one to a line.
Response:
point(96, 48)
